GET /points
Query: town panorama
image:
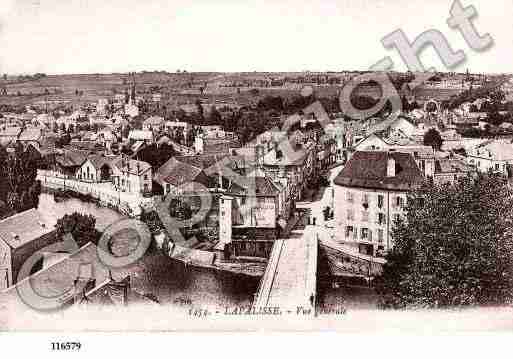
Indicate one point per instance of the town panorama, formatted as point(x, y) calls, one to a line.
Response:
point(254, 194)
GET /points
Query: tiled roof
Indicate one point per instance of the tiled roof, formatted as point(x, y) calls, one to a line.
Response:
point(420, 151)
point(220, 145)
point(154, 120)
point(386, 124)
point(84, 145)
point(31, 134)
point(295, 158)
point(368, 169)
point(23, 228)
point(451, 165)
point(132, 166)
point(202, 161)
point(99, 160)
point(59, 278)
point(71, 157)
point(176, 173)
point(11, 131)
point(262, 186)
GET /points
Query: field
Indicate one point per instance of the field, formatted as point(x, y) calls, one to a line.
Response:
point(176, 88)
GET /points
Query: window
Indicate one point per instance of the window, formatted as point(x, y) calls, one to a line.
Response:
point(381, 218)
point(243, 200)
point(364, 233)
point(397, 217)
point(349, 196)
point(350, 215)
point(365, 198)
point(380, 236)
point(365, 216)
point(496, 166)
point(380, 201)
point(399, 201)
point(349, 231)
point(168, 188)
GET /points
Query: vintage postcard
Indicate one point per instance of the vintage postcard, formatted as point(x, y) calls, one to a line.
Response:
point(244, 165)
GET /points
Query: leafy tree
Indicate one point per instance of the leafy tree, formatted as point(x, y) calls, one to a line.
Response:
point(214, 117)
point(454, 246)
point(199, 106)
point(18, 186)
point(271, 103)
point(80, 226)
point(153, 221)
point(156, 156)
point(432, 138)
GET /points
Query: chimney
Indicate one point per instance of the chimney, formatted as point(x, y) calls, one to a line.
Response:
point(390, 166)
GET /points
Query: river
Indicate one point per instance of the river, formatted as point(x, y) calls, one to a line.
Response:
point(197, 286)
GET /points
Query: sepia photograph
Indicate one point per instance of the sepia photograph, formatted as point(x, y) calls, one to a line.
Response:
point(238, 166)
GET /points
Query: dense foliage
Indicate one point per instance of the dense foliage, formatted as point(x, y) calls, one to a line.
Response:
point(19, 189)
point(155, 155)
point(80, 226)
point(454, 247)
point(432, 138)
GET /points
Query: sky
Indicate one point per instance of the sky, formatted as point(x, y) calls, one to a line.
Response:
point(100, 36)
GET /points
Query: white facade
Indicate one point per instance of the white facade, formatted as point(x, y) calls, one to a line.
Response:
point(5, 266)
point(225, 219)
point(87, 172)
point(133, 177)
point(493, 156)
point(365, 217)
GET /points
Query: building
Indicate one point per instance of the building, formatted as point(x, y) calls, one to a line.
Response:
point(81, 278)
point(450, 170)
point(255, 215)
point(101, 106)
point(493, 155)
point(370, 193)
point(141, 135)
point(153, 123)
point(96, 168)
point(9, 135)
point(173, 127)
point(21, 235)
point(175, 176)
point(68, 162)
point(33, 136)
point(132, 176)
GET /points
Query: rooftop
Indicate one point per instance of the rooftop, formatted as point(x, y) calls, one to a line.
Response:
point(23, 227)
point(131, 166)
point(176, 173)
point(368, 169)
point(31, 134)
point(262, 186)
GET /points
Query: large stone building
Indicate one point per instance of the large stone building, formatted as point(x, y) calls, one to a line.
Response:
point(370, 194)
point(21, 235)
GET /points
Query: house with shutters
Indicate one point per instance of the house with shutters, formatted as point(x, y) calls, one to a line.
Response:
point(132, 176)
point(370, 193)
